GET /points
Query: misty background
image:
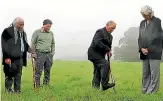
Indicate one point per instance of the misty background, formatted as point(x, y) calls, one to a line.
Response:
point(76, 21)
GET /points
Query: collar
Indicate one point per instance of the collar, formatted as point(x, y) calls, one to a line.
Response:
point(42, 30)
point(106, 30)
point(153, 17)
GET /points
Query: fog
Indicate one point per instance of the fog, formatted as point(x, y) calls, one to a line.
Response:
point(75, 21)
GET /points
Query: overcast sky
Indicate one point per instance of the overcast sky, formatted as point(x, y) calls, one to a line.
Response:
point(75, 21)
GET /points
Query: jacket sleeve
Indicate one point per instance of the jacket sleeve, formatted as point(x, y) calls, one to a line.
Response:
point(4, 44)
point(26, 41)
point(157, 36)
point(53, 45)
point(139, 39)
point(33, 41)
point(111, 42)
point(98, 41)
point(159, 29)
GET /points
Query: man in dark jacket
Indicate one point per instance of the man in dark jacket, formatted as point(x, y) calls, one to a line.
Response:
point(150, 48)
point(14, 49)
point(100, 46)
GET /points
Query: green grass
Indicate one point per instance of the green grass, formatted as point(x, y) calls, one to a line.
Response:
point(71, 81)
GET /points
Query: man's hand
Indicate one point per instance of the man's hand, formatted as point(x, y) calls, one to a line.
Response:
point(109, 53)
point(145, 51)
point(33, 55)
point(8, 61)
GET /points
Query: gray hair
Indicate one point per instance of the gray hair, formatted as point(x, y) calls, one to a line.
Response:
point(111, 22)
point(146, 10)
point(13, 24)
point(17, 19)
point(47, 21)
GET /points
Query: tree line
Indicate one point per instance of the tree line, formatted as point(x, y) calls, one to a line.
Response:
point(127, 49)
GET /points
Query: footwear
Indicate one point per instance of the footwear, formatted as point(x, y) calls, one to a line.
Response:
point(46, 83)
point(9, 90)
point(95, 87)
point(109, 85)
point(17, 91)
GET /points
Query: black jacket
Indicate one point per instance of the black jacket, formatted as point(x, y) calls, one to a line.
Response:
point(101, 44)
point(150, 37)
point(10, 49)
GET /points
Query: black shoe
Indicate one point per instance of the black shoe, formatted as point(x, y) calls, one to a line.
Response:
point(9, 90)
point(109, 85)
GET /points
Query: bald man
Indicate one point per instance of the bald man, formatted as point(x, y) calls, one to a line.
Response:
point(14, 49)
point(100, 46)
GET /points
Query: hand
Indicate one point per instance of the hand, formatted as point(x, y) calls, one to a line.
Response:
point(8, 61)
point(33, 55)
point(145, 51)
point(109, 54)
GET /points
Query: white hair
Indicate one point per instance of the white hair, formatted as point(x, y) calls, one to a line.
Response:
point(17, 19)
point(146, 10)
point(13, 24)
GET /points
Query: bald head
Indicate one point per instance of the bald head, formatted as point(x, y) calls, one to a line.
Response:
point(110, 26)
point(110, 23)
point(19, 23)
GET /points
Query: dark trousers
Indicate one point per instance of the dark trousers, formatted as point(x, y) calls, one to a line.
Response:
point(101, 73)
point(43, 62)
point(16, 79)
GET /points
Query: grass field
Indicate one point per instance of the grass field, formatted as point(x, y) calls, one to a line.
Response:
point(71, 81)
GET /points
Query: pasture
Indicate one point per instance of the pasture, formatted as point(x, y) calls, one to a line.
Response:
point(71, 81)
